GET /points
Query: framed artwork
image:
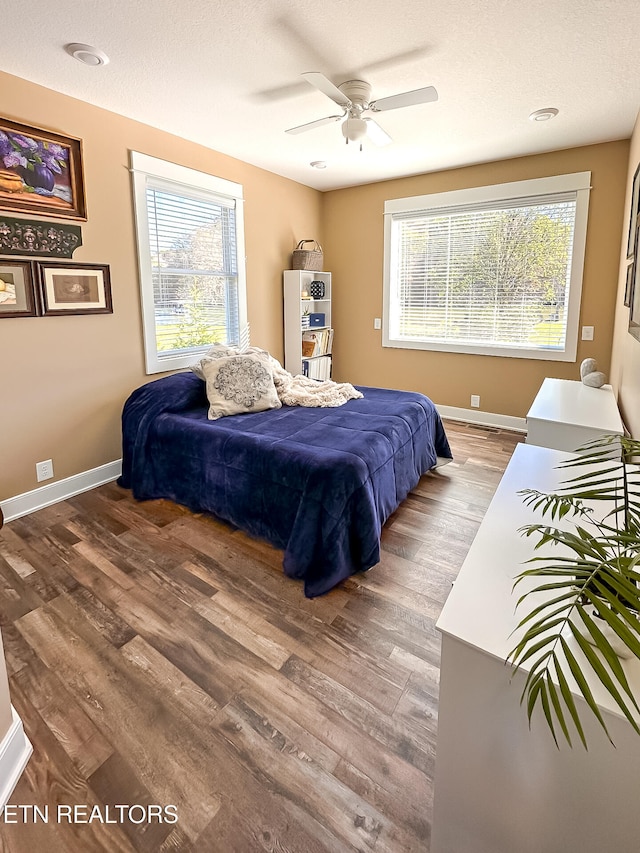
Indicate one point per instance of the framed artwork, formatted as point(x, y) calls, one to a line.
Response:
point(628, 290)
point(634, 297)
point(634, 317)
point(67, 288)
point(17, 291)
point(38, 239)
point(40, 172)
point(633, 218)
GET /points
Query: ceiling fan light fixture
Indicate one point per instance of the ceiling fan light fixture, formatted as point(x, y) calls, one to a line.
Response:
point(354, 129)
point(544, 114)
point(354, 97)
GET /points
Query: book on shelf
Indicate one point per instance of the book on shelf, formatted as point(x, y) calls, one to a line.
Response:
point(317, 368)
point(318, 342)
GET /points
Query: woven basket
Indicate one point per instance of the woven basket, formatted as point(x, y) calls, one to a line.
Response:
point(307, 259)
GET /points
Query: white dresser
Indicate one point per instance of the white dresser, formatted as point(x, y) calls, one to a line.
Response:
point(501, 787)
point(566, 414)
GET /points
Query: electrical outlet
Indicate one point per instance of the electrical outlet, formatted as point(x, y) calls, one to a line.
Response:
point(377, 323)
point(475, 401)
point(44, 470)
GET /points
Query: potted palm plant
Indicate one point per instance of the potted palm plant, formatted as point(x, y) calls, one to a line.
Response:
point(590, 585)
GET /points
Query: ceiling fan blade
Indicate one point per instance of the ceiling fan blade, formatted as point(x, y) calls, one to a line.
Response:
point(376, 134)
point(302, 128)
point(319, 81)
point(405, 99)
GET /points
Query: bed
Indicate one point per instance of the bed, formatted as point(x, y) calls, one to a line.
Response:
point(318, 483)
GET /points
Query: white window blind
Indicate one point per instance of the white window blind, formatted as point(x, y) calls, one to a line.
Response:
point(191, 266)
point(496, 276)
point(193, 260)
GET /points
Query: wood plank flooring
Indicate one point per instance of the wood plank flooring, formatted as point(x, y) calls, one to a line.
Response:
point(158, 657)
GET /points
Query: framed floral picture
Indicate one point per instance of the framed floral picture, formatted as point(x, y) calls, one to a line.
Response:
point(40, 172)
point(67, 288)
point(17, 291)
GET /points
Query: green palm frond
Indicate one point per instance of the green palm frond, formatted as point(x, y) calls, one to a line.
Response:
point(590, 586)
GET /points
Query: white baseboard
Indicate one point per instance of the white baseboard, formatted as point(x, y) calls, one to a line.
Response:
point(475, 416)
point(15, 751)
point(61, 490)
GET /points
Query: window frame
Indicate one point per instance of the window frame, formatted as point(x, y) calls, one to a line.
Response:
point(144, 167)
point(578, 182)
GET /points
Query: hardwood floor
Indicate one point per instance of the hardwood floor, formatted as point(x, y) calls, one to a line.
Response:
point(157, 658)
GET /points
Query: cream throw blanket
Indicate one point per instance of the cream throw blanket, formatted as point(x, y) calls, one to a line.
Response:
point(291, 390)
point(302, 391)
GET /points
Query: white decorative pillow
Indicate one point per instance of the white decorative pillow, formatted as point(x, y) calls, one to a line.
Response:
point(239, 384)
point(224, 351)
point(216, 351)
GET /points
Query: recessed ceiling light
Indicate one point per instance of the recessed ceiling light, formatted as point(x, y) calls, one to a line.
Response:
point(87, 54)
point(544, 114)
point(318, 164)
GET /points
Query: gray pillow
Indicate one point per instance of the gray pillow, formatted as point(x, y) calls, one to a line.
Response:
point(216, 351)
point(224, 351)
point(239, 384)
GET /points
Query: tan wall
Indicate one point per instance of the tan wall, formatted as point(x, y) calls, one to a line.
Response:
point(64, 379)
point(625, 359)
point(353, 241)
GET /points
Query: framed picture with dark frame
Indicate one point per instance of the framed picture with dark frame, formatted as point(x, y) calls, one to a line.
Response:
point(17, 291)
point(628, 289)
point(40, 172)
point(67, 288)
point(633, 216)
point(634, 297)
point(634, 316)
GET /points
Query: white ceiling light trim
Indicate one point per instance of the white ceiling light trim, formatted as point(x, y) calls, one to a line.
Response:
point(87, 54)
point(544, 114)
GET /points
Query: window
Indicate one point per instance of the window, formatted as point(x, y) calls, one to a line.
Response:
point(191, 258)
point(491, 270)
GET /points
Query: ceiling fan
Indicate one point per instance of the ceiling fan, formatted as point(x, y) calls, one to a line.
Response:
point(354, 97)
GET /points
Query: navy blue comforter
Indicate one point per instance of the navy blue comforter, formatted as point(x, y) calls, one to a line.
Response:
point(318, 483)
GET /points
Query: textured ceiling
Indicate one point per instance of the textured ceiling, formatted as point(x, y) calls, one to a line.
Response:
point(227, 75)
